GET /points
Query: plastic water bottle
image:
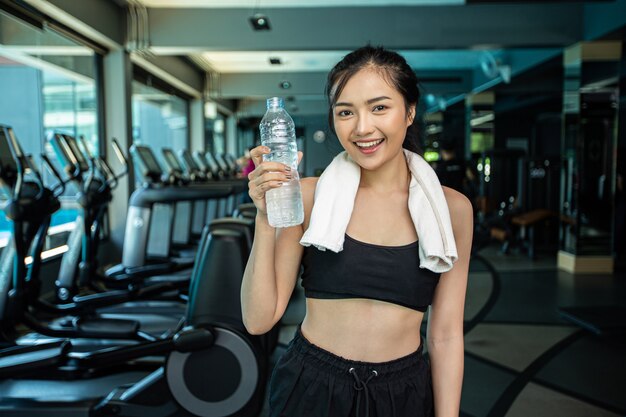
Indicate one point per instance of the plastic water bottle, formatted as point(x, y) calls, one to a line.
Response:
point(284, 204)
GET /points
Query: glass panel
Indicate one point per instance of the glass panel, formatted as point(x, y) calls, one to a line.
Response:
point(488, 170)
point(5, 226)
point(215, 134)
point(70, 106)
point(48, 85)
point(433, 128)
point(588, 150)
point(160, 120)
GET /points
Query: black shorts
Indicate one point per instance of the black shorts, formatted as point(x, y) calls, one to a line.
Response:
point(309, 381)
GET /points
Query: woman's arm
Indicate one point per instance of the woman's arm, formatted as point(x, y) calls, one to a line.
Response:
point(274, 262)
point(445, 320)
point(270, 275)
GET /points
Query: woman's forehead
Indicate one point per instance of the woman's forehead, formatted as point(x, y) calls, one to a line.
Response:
point(368, 82)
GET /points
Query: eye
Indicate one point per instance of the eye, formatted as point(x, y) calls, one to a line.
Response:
point(379, 107)
point(344, 113)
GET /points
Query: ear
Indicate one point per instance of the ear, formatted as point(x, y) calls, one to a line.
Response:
point(411, 114)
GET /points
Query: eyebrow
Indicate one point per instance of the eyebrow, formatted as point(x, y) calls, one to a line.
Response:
point(370, 101)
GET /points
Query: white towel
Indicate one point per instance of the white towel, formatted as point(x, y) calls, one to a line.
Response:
point(334, 200)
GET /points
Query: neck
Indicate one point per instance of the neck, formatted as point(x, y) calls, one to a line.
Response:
point(392, 176)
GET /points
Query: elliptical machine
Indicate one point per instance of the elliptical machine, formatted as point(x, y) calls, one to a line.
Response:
point(95, 181)
point(213, 367)
point(30, 207)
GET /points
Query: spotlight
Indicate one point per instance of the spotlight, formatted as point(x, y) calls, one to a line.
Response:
point(285, 85)
point(260, 22)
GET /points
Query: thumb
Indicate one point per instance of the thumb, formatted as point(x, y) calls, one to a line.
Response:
point(257, 154)
point(300, 155)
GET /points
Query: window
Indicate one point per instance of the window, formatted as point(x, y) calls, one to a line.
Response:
point(48, 85)
point(160, 120)
point(214, 126)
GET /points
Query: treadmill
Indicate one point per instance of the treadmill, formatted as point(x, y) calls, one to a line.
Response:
point(209, 163)
point(196, 175)
point(205, 161)
point(80, 289)
point(182, 225)
point(142, 255)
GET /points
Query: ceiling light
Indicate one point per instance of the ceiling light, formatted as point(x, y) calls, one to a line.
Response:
point(260, 22)
point(285, 85)
point(489, 117)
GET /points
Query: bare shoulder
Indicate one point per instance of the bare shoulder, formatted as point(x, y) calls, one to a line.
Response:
point(307, 186)
point(461, 211)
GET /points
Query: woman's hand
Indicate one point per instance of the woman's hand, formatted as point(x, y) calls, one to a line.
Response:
point(266, 176)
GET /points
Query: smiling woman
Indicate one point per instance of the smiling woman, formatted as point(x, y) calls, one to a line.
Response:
point(373, 210)
point(369, 124)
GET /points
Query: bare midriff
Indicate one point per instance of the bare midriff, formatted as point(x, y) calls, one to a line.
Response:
point(361, 329)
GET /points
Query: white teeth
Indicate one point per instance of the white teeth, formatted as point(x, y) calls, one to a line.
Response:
point(368, 144)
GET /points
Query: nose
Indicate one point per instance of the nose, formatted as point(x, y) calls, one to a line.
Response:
point(364, 126)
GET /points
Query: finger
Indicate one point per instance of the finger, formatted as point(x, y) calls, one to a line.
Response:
point(272, 176)
point(300, 155)
point(266, 167)
point(257, 154)
point(273, 184)
point(259, 191)
point(263, 168)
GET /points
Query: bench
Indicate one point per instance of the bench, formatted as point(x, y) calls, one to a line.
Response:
point(501, 235)
point(528, 221)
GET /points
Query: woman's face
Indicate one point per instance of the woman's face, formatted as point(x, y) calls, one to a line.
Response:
point(370, 119)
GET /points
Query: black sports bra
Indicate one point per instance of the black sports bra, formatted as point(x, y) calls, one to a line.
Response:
point(365, 270)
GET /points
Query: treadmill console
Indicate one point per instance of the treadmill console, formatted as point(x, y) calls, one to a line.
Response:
point(221, 163)
point(66, 155)
point(147, 163)
point(172, 161)
point(190, 163)
point(231, 161)
point(13, 160)
point(78, 153)
point(192, 166)
point(8, 166)
point(212, 164)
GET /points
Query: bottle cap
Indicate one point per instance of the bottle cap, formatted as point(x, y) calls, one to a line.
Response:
point(275, 102)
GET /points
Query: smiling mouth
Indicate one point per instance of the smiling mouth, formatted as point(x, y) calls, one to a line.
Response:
point(370, 144)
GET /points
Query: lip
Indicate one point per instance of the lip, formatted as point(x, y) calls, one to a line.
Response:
point(371, 150)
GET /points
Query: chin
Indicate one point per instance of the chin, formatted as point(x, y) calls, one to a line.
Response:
point(368, 163)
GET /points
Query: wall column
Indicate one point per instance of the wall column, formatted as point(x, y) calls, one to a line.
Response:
point(118, 117)
point(588, 146)
point(196, 124)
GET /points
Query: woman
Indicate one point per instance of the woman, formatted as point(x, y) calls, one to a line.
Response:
point(356, 354)
point(247, 163)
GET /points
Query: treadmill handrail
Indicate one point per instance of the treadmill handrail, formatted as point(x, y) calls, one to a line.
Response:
point(146, 197)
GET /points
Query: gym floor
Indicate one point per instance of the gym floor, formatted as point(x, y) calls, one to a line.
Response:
point(521, 357)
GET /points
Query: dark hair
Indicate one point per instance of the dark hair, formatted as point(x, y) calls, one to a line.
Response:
point(393, 67)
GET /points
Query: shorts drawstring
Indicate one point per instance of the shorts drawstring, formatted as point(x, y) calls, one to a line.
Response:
point(361, 385)
point(313, 382)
